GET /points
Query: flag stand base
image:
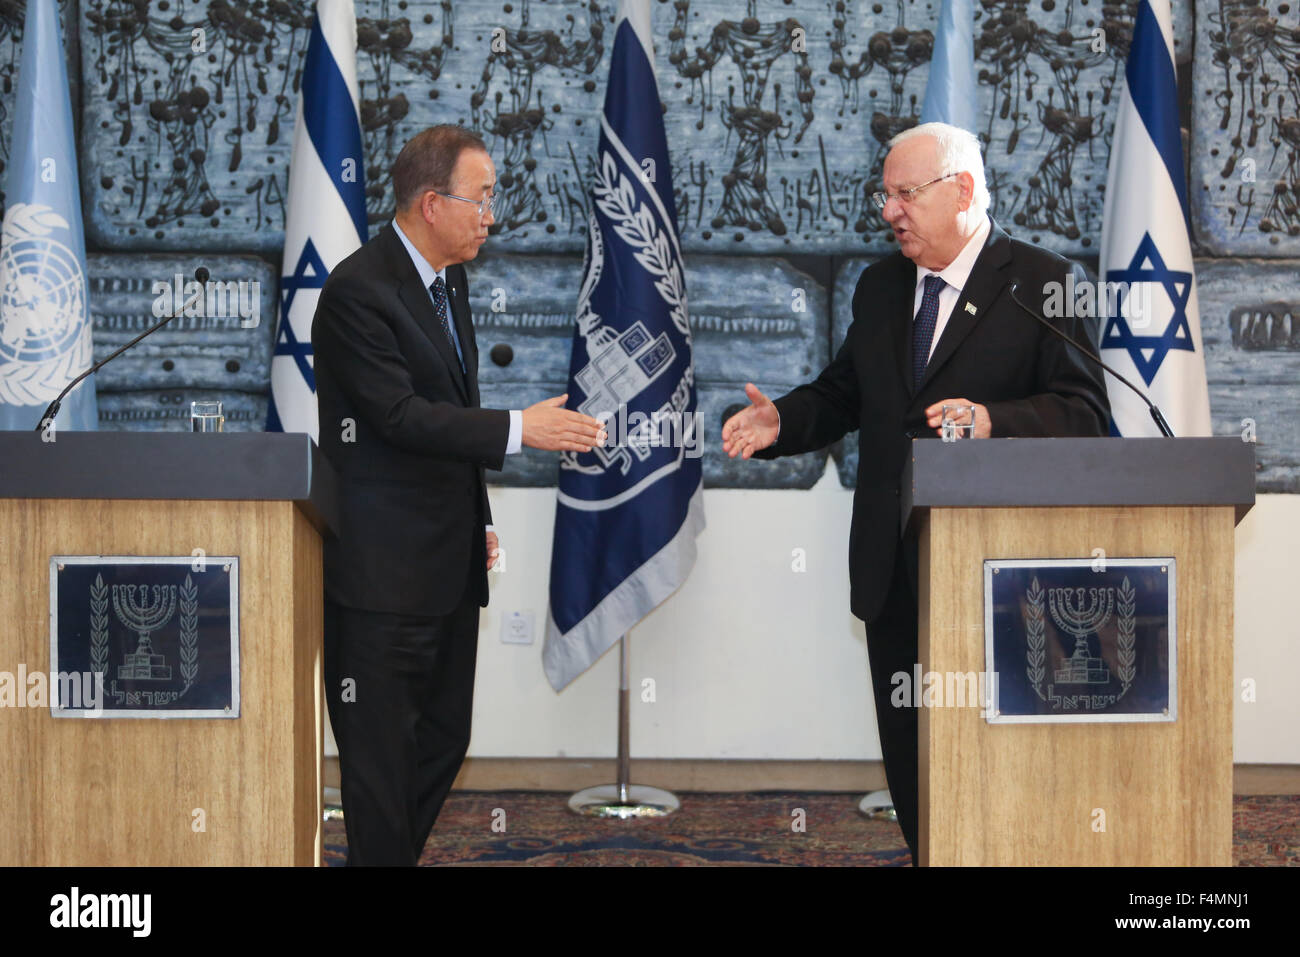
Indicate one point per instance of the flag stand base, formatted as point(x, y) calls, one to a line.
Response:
point(878, 806)
point(622, 800)
point(626, 803)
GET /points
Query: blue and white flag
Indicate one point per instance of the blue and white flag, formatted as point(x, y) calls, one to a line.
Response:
point(326, 217)
point(1152, 332)
point(628, 513)
point(45, 332)
point(951, 87)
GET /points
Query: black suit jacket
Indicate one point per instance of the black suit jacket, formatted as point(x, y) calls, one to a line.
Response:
point(401, 425)
point(1032, 383)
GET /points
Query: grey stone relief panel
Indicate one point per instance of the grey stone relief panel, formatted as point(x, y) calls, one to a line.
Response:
point(218, 346)
point(1245, 168)
point(776, 112)
point(754, 319)
point(1250, 322)
point(776, 145)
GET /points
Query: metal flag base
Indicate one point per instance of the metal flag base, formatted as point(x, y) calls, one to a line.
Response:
point(622, 800)
point(634, 801)
point(878, 806)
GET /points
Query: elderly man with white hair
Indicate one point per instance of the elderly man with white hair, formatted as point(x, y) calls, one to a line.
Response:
point(933, 325)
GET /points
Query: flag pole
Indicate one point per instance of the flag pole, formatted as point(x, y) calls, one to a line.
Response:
point(623, 799)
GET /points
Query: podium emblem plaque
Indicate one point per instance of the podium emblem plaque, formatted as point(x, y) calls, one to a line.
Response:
point(1081, 640)
point(146, 637)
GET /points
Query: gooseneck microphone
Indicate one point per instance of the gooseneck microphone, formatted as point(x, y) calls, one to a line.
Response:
point(1159, 419)
point(201, 275)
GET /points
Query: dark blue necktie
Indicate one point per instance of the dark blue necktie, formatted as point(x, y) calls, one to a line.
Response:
point(439, 290)
point(923, 327)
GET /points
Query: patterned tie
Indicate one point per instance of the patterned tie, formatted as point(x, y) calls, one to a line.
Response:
point(923, 327)
point(439, 290)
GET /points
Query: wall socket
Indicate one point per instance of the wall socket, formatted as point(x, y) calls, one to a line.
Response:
point(517, 628)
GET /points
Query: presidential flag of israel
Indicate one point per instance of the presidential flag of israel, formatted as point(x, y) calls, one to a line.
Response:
point(326, 218)
point(1153, 330)
point(45, 332)
point(628, 513)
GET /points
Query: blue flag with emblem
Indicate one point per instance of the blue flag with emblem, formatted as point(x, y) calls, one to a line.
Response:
point(45, 332)
point(326, 216)
point(627, 513)
point(1152, 326)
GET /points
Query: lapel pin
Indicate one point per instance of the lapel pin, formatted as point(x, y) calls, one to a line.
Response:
point(970, 307)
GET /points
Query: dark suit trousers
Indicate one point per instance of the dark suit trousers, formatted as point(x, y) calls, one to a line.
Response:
point(405, 733)
point(891, 648)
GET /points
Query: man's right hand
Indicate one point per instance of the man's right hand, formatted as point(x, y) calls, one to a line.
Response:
point(549, 425)
point(751, 430)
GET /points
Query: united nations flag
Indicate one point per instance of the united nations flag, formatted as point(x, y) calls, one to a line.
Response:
point(45, 335)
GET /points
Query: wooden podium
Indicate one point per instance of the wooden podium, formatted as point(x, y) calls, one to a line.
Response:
point(1154, 793)
point(178, 791)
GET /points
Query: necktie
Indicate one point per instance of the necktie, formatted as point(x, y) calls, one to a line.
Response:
point(923, 327)
point(439, 290)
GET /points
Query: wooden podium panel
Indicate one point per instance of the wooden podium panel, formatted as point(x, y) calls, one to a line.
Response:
point(124, 791)
point(1029, 794)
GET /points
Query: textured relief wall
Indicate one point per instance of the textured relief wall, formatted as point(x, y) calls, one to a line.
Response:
point(777, 114)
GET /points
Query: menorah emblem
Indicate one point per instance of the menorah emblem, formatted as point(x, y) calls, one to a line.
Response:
point(143, 616)
point(1081, 612)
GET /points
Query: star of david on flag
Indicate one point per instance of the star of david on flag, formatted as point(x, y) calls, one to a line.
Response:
point(1148, 352)
point(326, 215)
point(1146, 252)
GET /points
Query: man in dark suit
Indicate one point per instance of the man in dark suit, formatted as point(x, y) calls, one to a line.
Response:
point(396, 368)
point(933, 325)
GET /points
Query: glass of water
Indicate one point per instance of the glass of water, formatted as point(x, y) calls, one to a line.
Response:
point(958, 423)
point(207, 417)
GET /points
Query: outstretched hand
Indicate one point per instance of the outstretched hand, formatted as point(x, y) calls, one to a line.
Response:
point(549, 425)
point(753, 429)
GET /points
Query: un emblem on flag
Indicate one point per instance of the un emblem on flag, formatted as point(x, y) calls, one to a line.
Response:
point(43, 335)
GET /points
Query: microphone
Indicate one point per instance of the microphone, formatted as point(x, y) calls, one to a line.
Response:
point(1159, 419)
point(201, 275)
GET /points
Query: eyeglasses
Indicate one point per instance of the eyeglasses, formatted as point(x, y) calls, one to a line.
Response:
point(906, 195)
point(484, 205)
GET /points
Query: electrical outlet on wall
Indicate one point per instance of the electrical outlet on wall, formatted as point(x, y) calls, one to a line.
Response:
point(517, 628)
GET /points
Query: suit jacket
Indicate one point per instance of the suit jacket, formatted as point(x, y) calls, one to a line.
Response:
point(401, 425)
point(1032, 383)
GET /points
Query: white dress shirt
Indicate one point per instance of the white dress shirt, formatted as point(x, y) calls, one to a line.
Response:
point(954, 276)
point(427, 275)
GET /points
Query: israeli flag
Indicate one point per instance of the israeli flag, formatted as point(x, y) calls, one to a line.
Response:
point(950, 89)
point(326, 216)
point(1152, 332)
point(628, 513)
point(45, 332)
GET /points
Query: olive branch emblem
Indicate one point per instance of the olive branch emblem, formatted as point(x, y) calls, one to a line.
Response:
point(189, 596)
point(1127, 606)
point(636, 225)
point(1034, 633)
point(99, 626)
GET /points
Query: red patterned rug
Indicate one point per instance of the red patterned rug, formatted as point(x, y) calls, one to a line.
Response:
point(536, 829)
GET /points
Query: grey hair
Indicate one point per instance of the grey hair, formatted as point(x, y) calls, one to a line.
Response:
point(958, 152)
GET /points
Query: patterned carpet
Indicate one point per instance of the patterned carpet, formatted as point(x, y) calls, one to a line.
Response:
point(537, 829)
